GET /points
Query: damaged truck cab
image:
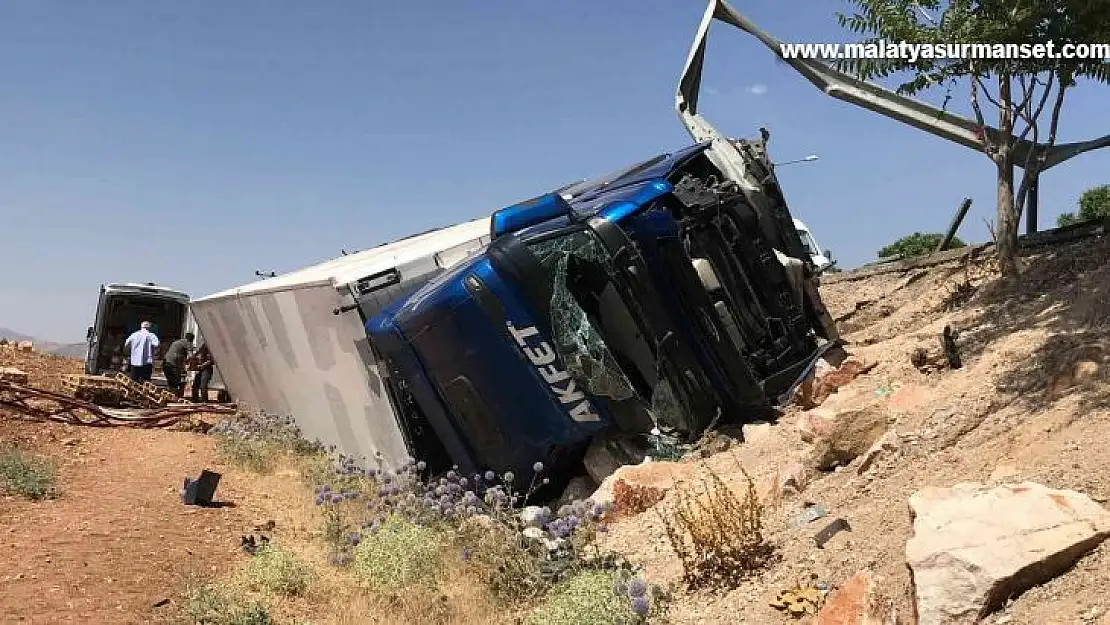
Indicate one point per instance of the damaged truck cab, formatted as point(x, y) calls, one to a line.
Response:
point(651, 298)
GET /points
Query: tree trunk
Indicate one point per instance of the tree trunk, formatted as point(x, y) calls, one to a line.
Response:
point(1008, 220)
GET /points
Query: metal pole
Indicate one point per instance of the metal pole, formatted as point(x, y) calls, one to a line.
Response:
point(1031, 216)
point(961, 212)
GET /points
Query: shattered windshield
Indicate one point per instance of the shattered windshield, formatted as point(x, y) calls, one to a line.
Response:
point(577, 262)
point(597, 335)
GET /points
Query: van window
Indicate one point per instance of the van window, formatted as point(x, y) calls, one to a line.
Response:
point(808, 243)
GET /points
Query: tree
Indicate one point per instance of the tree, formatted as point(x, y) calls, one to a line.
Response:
point(1093, 204)
point(917, 244)
point(1023, 87)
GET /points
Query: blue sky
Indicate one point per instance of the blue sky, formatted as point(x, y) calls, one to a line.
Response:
point(190, 144)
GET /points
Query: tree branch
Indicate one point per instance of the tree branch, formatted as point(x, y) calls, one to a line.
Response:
point(988, 145)
point(1055, 124)
point(986, 93)
point(1031, 117)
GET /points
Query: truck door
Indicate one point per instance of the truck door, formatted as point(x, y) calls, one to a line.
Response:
point(92, 338)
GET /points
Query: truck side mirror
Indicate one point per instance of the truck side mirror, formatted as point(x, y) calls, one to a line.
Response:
point(828, 254)
point(88, 335)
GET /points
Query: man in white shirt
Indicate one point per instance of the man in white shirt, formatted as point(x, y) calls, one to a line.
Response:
point(142, 344)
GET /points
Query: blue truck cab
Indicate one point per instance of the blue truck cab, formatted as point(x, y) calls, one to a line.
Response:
point(652, 297)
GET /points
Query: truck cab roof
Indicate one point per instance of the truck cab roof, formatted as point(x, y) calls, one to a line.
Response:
point(586, 199)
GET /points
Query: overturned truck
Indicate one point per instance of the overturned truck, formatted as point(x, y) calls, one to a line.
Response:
point(654, 299)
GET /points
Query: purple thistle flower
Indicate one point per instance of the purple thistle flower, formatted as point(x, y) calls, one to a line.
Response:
point(336, 498)
point(637, 588)
point(538, 467)
point(420, 466)
point(641, 606)
point(490, 476)
point(465, 554)
point(354, 539)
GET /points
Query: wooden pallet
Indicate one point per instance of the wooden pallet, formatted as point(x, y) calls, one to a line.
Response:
point(97, 389)
point(116, 389)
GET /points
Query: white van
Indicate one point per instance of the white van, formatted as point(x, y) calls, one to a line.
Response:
point(823, 259)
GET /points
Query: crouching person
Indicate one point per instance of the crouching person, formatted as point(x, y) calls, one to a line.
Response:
point(203, 377)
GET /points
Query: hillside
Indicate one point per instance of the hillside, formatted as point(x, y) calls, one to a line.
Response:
point(1029, 406)
point(69, 350)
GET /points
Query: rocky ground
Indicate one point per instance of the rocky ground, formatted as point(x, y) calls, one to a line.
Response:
point(1030, 403)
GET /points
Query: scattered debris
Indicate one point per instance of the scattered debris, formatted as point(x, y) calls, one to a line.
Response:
point(253, 543)
point(199, 492)
point(830, 530)
point(804, 598)
point(43, 405)
point(974, 547)
point(811, 513)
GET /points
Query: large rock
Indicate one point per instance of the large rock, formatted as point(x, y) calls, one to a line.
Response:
point(975, 546)
point(654, 476)
point(858, 602)
point(839, 436)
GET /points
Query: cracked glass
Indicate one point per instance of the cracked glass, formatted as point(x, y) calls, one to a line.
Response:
point(579, 257)
point(580, 269)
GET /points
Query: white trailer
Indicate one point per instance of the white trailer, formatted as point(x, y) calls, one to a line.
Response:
point(296, 344)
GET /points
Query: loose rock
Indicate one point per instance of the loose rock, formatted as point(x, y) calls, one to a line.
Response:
point(858, 602)
point(840, 436)
point(975, 546)
point(887, 444)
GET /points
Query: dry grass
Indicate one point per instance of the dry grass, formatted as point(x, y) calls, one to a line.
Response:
point(717, 535)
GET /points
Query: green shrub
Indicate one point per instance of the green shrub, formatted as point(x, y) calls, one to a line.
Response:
point(917, 244)
point(1093, 204)
point(400, 553)
point(26, 475)
point(587, 597)
point(279, 571)
point(205, 605)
